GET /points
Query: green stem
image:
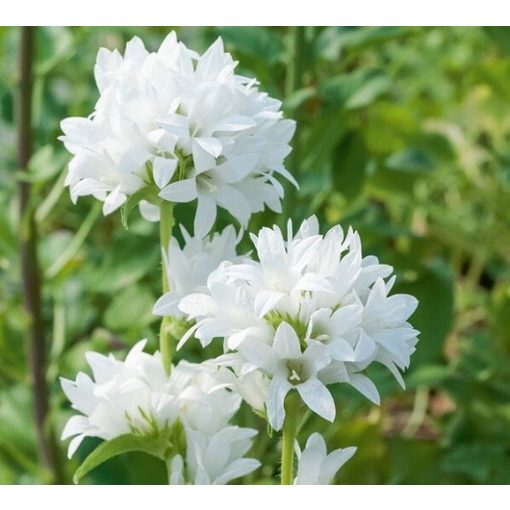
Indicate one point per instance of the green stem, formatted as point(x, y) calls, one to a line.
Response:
point(165, 233)
point(75, 244)
point(289, 433)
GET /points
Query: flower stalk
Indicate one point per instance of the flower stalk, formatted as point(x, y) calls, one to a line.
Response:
point(165, 233)
point(289, 433)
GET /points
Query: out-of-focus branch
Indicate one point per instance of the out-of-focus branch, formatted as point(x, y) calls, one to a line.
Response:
point(293, 82)
point(30, 273)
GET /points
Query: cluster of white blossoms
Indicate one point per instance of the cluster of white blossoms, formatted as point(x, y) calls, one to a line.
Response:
point(312, 311)
point(180, 126)
point(135, 396)
point(309, 311)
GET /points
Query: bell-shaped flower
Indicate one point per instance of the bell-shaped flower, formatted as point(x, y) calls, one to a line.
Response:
point(316, 466)
point(216, 459)
point(290, 369)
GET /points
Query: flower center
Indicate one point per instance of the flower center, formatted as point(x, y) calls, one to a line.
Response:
point(296, 372)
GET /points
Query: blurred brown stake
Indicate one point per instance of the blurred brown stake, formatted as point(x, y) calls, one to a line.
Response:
point(30, 273)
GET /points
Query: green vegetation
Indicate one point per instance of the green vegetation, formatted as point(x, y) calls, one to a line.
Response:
point(403, 133)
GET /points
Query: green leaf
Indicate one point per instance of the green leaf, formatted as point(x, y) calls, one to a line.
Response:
point(119, 445)
point(434, 316)
point(349, 165)
point(362, 37)
point(149, 193)
point(355, 89)
point(124, 265)
point(131, 308)
point(369, 92)
point(321, 139)
point(410, 160)
point(298, 98)
point(260, 42)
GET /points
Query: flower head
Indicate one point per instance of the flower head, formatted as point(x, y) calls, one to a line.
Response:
point(311, 311)
point(180, 126)
point(316, 466)
point(135, 396)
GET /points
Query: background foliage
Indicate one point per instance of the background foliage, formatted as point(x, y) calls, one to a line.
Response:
point(403, 133)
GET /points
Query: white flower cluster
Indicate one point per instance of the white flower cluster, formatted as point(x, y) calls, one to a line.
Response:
point(135, 396)
point(308, 312)
point(312, 311)
point(185, 126)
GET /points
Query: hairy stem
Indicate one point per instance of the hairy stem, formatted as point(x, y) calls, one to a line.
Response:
point(165, 233)
point(30, 271)
point(289, 433)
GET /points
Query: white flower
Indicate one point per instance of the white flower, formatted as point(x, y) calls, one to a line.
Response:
point(183, 126)
point(188, 268)
point(315, 466)
point(290, 369)
point(123, 397)
point(202, 401)
point(333, 304)
point(252, 386)
point(136, 396)
point(216, 459)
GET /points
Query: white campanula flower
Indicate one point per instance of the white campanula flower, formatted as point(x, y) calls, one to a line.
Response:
point(121, 397)
point(316, 466)
point(333, 304)
point(180, 126)
point(290, 368)
point(135, 396)
point(216, 459)
point(188, 268)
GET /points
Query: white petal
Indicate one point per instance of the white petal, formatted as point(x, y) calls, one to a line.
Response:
point(366, 387)
point(236, 469)
point(74, 426)
point(149, 211)
point(341, 350)
point(163, 171)
point(286, 342)
point(234, 202)
point(258, 353)
point(211, 145)
point(202, 159)
point(205, 216)
point(266, 301)
point(113, 201)
point(234, 123)
point(74, 445)
point(167, 304)
point(176, 471)
point(310, 463)
point(314, 282)
point(180, 191)
point(346, 318)
point(317, 397)
point(278, 389)
point(334, 461)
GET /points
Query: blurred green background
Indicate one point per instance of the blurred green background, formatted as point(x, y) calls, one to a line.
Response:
point(403, 133)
